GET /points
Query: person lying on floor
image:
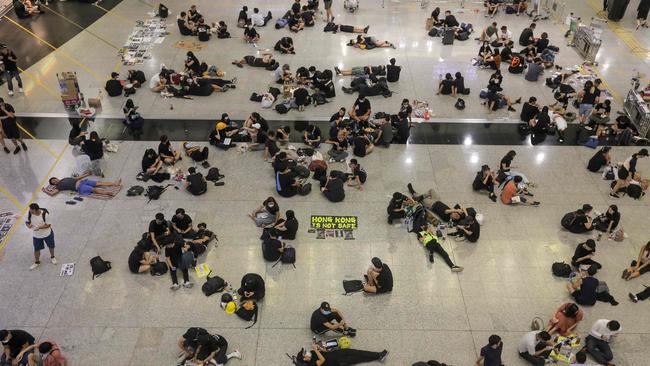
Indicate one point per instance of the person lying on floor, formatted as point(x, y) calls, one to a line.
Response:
point(319, 356)
point(369, 87)
point(496, 101)
point(85, 186)
point(195, 152)
point(431, 241)
point(265, 61)
point(349, 28)
point(369, 42)
point(361, 71)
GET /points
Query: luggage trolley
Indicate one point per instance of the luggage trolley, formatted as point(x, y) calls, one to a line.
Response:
point(70, 92)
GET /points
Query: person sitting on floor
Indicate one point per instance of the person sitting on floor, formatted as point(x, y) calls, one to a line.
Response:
point(579, 221)
point(140, 261)
point(182, 224)
point(396, 208)
point(251, 35)
point(333, 189)
point(213, 350)
point(284, 229)
point(24, 9)
point(584, 288)
point(151, 162)
point(511, 194)
point(468, 229)
point(285, 45)
point(566, 319)
point(272, 249)
point(296, 23)
point(327, 318)
point(639, 266)
point(166, 152)
point(113, 85)
point(185, 28)
point(252, 287)
point(446, 86)
point(358, 176)
point(379, 278)
point(307, 16)
point(195, 183)
point(485, 180)
point(85, 187)
point(582, 257)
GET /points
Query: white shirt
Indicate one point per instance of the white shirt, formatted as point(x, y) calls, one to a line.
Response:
point(600, 331)
point(528, 342)
point(154, 81)
point(257, 19)
point(507, 35)
point(37, 221)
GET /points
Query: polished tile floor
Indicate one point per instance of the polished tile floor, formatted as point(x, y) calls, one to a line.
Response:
point(423, 58)
point(432, 313)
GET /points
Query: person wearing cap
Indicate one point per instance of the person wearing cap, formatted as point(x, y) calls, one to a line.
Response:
point(584, 253)
point(182, 224)
point(252, 287)
point(222, 132)
point(319, 356)
point(379, 278)
point(326, 318)
point(585, 289)
point(113, 85)
point(15, 343)
point(485, 180)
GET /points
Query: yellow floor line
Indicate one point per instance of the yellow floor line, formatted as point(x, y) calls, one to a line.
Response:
point(80, 27)
point(37, 141)
point(118, 16)
point(24, 210)
point(118, 66)
point(623, 34)
point(11, 197)
point(39, 83)
point(74, 60)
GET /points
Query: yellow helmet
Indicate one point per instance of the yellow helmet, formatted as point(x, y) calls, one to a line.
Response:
point(344, 342)
point(231, 307)
point(221, 126)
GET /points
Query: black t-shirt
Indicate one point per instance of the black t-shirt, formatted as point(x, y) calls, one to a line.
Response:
point(603, 108)
point(94, 149)
point(404, 111)
point(285, 184)
point(9, 64)
point(392, 73)
point(165, 149)
point(343, 144)
point(271, 250)
point(197, 183)
point(156, 228)
point(292, 229)
point(526, 35)
point(307, 17)
point(250, 32)
point(183, 29)
point(385, 279)
point(18, 339)
point(203, 31)
point(147, 162)
point(590, 97)
point(335, 117)
point(134, 260)
point(192, 336)
point(361, 107)
point(446, 86)
point(211, 343)
point(360, 144)
point(596, 162)
point(587, 291)
point(459, 82)
point(581, 251)
point(394, 204)
point(578, 225)
point(439, 209)
point(174, 252)
point(528, 112)
point(301, 96)
point(315, 134)
point(272, 146)
point(506, 161)
point(182, 223)
point(541, 44)
point(614, 218)
point(335, 191)
point(318, 319)
point(475, 228)
point(506, 53)
point(359, 172)
point(242, 16)
point(403, 130)
point(450, 21)
point(492, 356)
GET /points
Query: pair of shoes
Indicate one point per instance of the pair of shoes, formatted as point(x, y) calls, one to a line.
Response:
point(536, 203)
point(175, 287)
point(633, 297)
point(457, 269)
point(34, 266)
point(188, 284)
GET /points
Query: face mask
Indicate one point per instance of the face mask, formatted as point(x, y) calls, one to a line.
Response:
point(5, 342)
point(271, 204)
point(326, 312)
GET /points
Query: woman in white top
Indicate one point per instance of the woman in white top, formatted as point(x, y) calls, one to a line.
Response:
point(38, 220)
point(639, 266)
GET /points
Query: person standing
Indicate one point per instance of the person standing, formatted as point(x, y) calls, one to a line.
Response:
point(9, 128)
point(11, 69)
point(329, 18)
point(38, 220)
point(602, 333)
point(491, 353)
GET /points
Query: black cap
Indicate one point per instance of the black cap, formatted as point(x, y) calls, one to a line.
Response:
point(643, 152)
point(325, 306)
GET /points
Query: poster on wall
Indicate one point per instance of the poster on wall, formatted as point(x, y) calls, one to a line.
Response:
point(333, 227)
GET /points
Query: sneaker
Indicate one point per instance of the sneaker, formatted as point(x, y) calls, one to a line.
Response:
point(20, 90)
point(614, 195)
point(633, 297)
point(457, 269)
point(337, 70)
point(11, 93)
point(383, 355)
point(53, 260)
point(390, 220)
point(175, 287)
point(511, 109)
point(613, 302)
point(536, 203)
point(236, 354)
point(24, 146)
point(7, 150)
point(431, 257)
point(188, 284)
point(34, 266)
point(493, 197)
point(17, 150)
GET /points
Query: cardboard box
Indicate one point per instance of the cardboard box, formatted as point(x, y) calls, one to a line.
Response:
point(95, 103)
point(429, 24)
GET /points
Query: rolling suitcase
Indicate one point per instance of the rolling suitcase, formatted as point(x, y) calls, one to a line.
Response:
point(616, 9)
point(448, 38)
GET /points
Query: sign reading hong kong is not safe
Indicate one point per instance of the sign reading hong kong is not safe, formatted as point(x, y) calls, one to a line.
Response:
point(334, 222)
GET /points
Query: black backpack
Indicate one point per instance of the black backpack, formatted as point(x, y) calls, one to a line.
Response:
point(305, 189)
point(158, 269)
point(567, 220)
point(246, 314)
point(163, 11)
point(352, 286)
point(288, 257)
point(213, 285)
point(135, 191)
point(634, 191)
point(213, 175)
point(460, 104)
point(154, 192)
point(281, 108)
point(99, 266)
point(301, 171)
point(561, 269)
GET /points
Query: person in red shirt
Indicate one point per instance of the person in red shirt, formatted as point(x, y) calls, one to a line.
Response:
point(512, 195)
point(49, 354)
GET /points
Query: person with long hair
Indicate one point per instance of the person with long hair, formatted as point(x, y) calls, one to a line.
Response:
point(566, 319)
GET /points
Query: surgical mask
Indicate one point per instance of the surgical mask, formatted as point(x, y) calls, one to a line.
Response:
point(271, 204)
point(5, 342)
point(326, 312)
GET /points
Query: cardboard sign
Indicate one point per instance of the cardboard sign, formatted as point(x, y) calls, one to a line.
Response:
point(334, 222)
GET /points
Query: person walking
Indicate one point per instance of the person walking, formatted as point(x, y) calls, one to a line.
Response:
point(11, 69)
point(9, 128)
point(38, 219)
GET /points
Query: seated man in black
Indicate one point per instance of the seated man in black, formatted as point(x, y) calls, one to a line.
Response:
point(283, 228)
point(182, 224)
point(380, 278)
point(286, 183)
point(485, 180)
point(272, 249)
point(185, 28)
point(468, 228)
point(285, 45)
point(113, 85)
point(529, 110)
point(252, 287)
point(578, 221)
point(333, 189)
point(195, 182)
point(326, 318)
point(202, 238)
point(395, 209)
point(159, 231)
point(203, 31)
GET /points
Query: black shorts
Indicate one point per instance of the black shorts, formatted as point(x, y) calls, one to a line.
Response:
point(249, 60)
point(11, 130)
